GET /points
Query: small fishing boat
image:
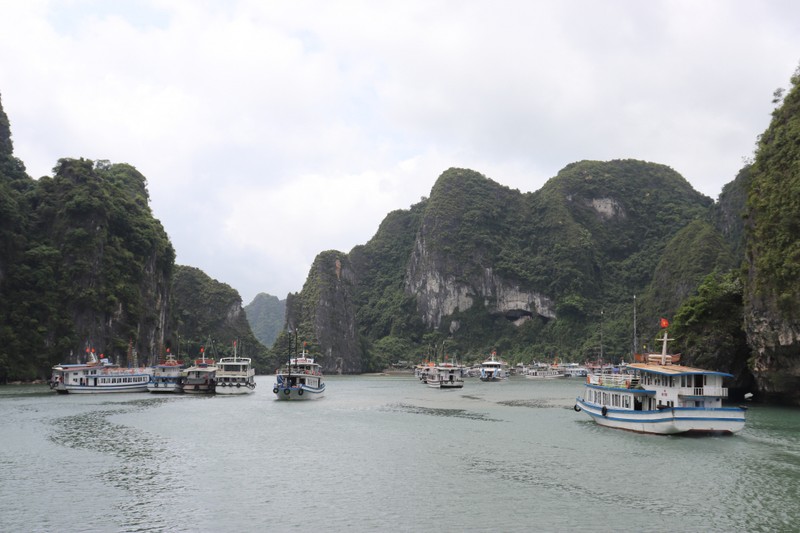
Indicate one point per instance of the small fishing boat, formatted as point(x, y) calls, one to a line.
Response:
point(445, 376)
point(660, 397)
point(167, 375)
point(200, 378)
point(300, 379)
point(98, 375)
point(235, 375)
point(493, 369)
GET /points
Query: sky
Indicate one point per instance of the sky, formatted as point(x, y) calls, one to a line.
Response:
point(270, 131)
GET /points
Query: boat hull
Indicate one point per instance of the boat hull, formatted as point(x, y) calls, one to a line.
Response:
point(302, 392)
point(667, 421)
point(161, 387)
point(104, 389)
point(240, 387)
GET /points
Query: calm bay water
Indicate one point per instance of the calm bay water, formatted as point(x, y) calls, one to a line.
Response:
point(381, 454)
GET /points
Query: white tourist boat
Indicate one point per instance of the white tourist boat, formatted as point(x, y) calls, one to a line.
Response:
point(493, 369)
point(661, 397)
point(424, 371)
point(300, 379)
point(98, 375)
point(200, 378)
point(574, 370)
point(167, 376)
point(445, 376)
point(235, 375)
point(542, 371)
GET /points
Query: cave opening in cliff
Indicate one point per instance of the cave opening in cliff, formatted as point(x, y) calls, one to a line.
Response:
point(517, 315)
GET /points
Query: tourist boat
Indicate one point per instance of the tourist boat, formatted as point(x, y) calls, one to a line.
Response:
point(445, 376)
point(660, 397)
point(574, 370)
point(300, 379)
point(98, 375)
point(167, 376)
point(235, 375)
point(200, 378)
point(424, 371)
point(542, 371)
point(493, 369)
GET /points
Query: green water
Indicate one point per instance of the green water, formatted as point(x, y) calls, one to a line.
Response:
point(381, 454)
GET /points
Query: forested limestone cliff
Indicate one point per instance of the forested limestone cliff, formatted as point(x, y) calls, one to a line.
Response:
point(772, 282)
point(479, 267)
point(83, 263)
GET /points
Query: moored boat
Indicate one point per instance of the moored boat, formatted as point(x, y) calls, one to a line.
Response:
point(200, 378)
point(300, 379)
point(167, 375)
point(493, 369)
point(235, 375)
point(445, 376)
point(542, 371)
point(98, 375)
point(424, 371)
point(661, 397)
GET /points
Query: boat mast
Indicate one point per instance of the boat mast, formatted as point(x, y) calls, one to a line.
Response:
point(635, 340)
point(601, 336)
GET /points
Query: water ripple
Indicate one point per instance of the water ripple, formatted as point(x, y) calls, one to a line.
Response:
point(438, 411)
point(133, 461)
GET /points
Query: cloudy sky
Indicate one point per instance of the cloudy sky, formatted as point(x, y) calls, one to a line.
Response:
point(270, 131)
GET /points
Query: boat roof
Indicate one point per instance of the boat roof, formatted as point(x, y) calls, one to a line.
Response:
point(303, 361)
point(242, 360)
point(675, 370)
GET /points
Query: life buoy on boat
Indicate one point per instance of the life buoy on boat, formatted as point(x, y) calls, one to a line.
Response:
point(287, 392)
point(604, 411)
point(275, 390)
point(238, 385)
point(577, 408)
point(300, 392)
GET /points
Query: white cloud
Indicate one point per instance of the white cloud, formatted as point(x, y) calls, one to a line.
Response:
point(272, 131)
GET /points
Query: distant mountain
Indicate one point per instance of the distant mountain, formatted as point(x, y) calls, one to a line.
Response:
point(266, 315)
point(479, 267)
point(558, 273)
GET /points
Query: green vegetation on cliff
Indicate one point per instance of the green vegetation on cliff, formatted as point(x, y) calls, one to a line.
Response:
point(94, 267)
point(773, 246)
point(208, 313)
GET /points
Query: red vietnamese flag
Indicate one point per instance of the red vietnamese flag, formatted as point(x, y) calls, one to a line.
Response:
point(664, 323)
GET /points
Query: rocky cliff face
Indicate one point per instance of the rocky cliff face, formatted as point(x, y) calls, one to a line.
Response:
point(775, 365)
point(440, 295)
point(324, 315)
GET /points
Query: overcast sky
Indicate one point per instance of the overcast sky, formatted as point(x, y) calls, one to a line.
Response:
point(270, 131)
